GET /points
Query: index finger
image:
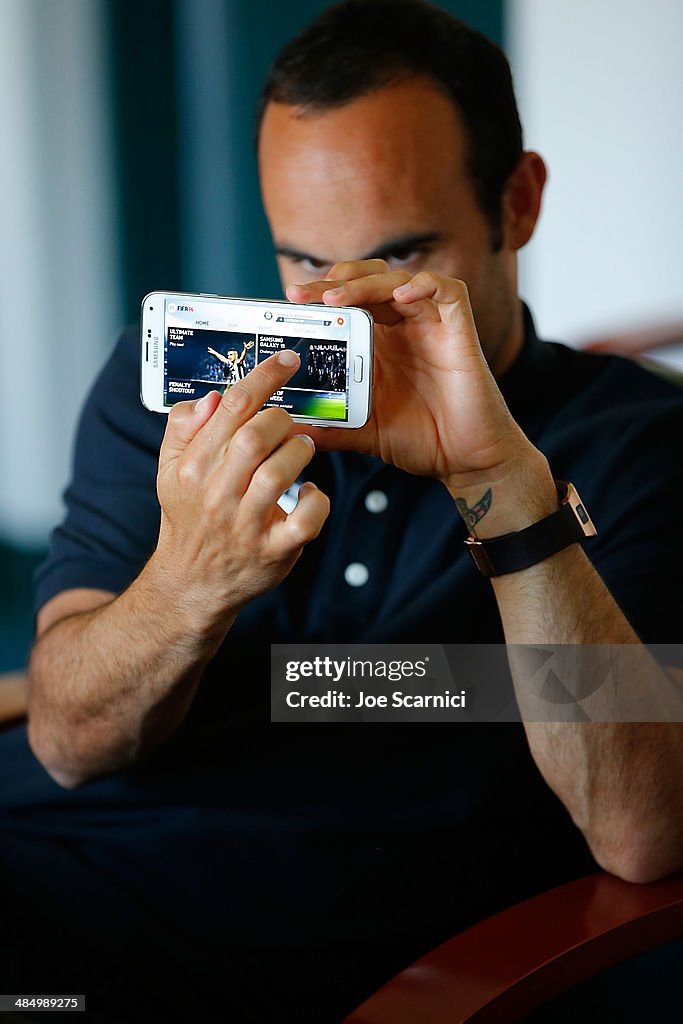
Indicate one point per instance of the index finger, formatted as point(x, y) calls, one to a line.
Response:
point(374, 292)
point(244, 399)
point(350, 269)
point(311, 291)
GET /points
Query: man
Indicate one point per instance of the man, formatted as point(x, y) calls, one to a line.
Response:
point(293, 869)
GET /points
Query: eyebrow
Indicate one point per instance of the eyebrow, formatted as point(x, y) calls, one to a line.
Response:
point(385, 249)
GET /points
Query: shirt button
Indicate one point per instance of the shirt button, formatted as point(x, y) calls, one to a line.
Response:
point(376, 501)
point(356, 574)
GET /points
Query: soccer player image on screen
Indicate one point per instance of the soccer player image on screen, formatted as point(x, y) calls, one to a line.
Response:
point(233, 365)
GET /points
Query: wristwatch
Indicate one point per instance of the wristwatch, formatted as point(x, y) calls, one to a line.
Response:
point(514, 551)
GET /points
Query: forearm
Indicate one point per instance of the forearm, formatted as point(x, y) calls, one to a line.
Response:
point(109, 685)
point(621, 785)
point(620, 775)
point(622, 781)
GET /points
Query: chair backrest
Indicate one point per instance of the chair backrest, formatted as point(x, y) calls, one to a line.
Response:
point(508, 965)
point(658, 347)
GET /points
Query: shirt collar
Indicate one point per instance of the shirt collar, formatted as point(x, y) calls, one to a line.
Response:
point(527, 384)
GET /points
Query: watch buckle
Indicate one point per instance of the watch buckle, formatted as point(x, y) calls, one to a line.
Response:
point(479, 556)
point(571, 497)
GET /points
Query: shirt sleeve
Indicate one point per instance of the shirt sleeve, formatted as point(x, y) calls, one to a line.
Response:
point(642, 557)
point(112, 513)
point(630, 476)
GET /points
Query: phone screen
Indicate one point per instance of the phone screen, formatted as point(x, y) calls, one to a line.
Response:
point(211, 344)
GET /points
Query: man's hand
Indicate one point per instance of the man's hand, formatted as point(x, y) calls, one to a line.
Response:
point(223, 537)
point(437, 410)
point(113, 677)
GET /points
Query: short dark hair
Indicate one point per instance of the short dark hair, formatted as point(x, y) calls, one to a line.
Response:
point(360, 46)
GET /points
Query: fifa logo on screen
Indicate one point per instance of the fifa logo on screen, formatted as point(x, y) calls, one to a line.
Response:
point(185, 309)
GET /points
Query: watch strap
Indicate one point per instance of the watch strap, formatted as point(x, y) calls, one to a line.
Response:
point(512, 552)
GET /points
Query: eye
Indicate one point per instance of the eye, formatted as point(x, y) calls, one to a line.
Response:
point(402, 257)
point(314, 265)
point(310, 265)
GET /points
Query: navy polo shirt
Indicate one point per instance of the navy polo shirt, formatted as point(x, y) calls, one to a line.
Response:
point(604, 423)
point(373, 842)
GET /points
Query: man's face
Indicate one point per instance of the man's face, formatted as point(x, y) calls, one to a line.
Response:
point(384, 176)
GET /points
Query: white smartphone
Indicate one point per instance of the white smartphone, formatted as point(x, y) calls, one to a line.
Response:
point(193, 344)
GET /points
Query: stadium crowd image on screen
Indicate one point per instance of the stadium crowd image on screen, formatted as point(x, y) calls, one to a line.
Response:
point(318, 388)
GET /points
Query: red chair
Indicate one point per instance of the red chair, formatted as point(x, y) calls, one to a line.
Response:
point(505, 967)
point(656, 337)
point(508, 965)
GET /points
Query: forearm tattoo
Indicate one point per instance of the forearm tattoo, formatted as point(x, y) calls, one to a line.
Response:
point(477, 512)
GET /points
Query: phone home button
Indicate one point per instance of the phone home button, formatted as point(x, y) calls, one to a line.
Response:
point(358, 369)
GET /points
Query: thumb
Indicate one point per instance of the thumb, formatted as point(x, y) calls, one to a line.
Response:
point(185, 420)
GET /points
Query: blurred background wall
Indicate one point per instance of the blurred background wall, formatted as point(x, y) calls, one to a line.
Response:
point(128, 165)
point(600, 85)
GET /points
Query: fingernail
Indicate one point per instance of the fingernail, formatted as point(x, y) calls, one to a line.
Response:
point(307, 439)
point(288, 357)
point(404, 289)
point(334, 293)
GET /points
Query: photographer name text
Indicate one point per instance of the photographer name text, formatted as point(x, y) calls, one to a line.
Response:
point(398, 699)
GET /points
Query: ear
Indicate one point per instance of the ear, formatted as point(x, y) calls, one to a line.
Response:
point(522, 200)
